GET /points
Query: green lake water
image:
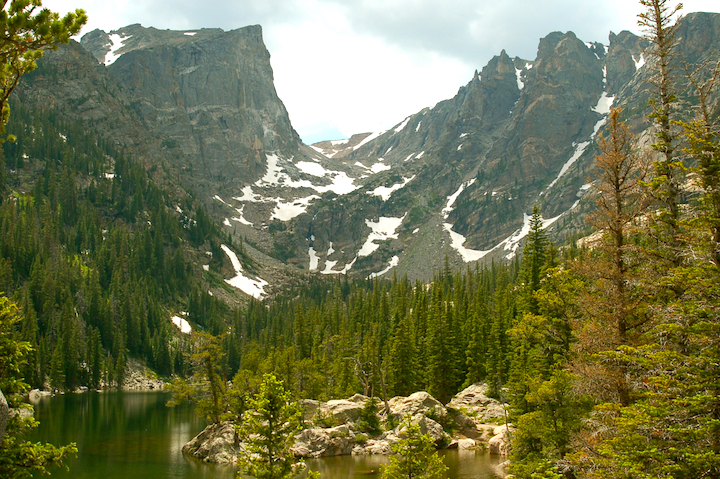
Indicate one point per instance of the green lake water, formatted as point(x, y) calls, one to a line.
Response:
point(123, 435)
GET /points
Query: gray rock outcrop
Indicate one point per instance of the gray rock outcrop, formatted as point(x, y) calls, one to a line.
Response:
point(343, 411)
point(473, 402)
point(217, 443)
point(419, 403)
point(499, 444)
point(322, 442)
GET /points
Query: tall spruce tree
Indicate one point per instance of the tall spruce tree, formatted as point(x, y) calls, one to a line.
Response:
point(659, 22)
point(268, 430)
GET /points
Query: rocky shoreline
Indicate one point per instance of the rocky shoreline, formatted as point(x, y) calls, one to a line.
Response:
point(471, 420)
point(138, 377)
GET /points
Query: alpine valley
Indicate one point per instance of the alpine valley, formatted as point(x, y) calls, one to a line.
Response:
point(451, 184)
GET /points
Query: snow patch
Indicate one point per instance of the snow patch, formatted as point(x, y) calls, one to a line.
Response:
point(287, 211)
point(384, 228)
point(379, 166)
point(314, 259)
point(603, 107)
point(181, 324)
point(420, 155)
point(275, 176)
point(520, 84)
point(579, 150)
point(394, 261)
point(512, 242)
point(117, 43)
point(639, 62)
point(457, 242)
point(252, 287)
point(604, 104)
point(247, 195)
point(385, 192)
point(241, 218)
point(313, 169)
point(329, 265)
point(417, 128)
point(451, 199)
point(402, 125)
point(370, 138)
point(190, 34)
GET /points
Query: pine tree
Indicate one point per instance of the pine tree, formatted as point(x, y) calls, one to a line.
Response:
point(534, 261)
point(207, 388)
point(661, 31)
point(18, 457)
point(268, 431)
point(414, 456)
point(27, 30)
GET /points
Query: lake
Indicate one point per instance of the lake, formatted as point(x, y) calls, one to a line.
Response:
point(133, 435)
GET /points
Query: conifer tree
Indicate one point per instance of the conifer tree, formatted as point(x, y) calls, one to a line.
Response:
point(660, 27)
point(534, 261)
point(268, 430)
point(414, 456)
point(613, 304)
point(18, 457)
point(28, 29)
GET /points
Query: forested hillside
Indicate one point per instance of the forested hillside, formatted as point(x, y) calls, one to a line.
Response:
point(606, 348)
point(96, 253)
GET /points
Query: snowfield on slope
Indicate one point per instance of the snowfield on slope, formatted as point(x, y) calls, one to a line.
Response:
point(252, 287)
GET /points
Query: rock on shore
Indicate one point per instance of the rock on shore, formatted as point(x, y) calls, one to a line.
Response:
point(333, 430)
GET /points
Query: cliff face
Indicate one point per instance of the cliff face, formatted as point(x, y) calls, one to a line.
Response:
point(457, 180)
point(209, 94)
point(520, 133)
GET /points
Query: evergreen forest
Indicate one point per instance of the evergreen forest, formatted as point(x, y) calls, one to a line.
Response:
point(606, 348)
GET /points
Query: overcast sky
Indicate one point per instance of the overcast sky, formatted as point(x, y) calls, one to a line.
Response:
point(353, 66)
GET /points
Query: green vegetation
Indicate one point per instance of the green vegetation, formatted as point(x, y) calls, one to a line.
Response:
point(97, 256)
point(28, 29)
point(414, 456)
point(19, 458)
point(607, 353)
point(268, 430)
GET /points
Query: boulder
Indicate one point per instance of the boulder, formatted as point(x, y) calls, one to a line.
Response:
point(473, 401)
point(35, 395)
point(417, 403)
point(309, 408)
point(463, 444)
point(322, 442)
point(499, 444)
point(343, 411)
point(217, 443)
point(427, 426)
point(373, 446)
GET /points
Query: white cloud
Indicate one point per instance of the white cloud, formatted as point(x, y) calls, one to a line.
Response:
point(344, 67)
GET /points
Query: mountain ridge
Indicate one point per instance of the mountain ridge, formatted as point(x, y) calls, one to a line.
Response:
point(456, 180)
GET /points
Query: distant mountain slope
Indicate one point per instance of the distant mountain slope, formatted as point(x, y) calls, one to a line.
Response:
point(455, 180)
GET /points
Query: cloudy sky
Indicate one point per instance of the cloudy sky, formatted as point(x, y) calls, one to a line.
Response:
point(352, 66)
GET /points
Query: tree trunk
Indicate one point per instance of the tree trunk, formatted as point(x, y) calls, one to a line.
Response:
point(4, 413)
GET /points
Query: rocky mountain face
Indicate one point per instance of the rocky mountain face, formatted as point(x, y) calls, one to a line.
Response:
point(468, 171)
point(208, 94)
point(456, 181)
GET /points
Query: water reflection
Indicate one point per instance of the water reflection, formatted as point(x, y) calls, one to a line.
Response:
point(135, 436)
